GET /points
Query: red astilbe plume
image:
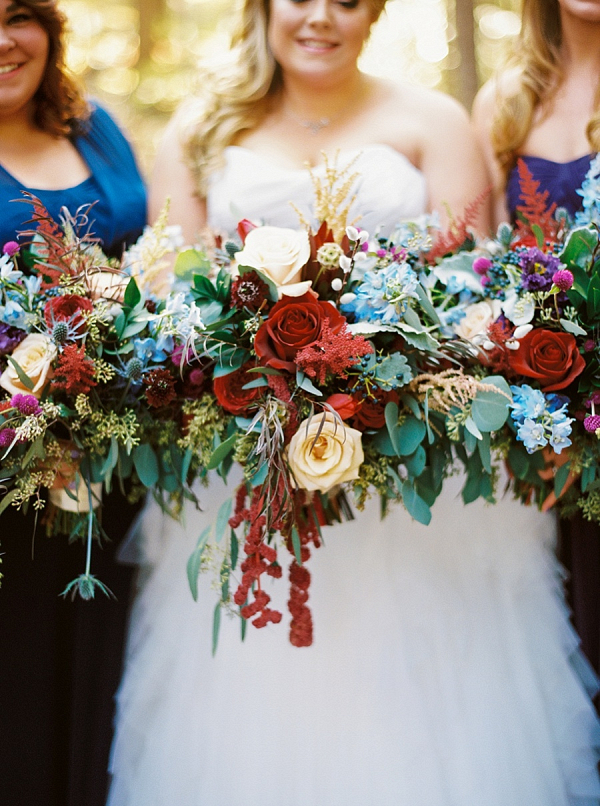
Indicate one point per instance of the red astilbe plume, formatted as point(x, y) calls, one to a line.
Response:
point(534, 211)
point(74, 371)
point(301, 626)
point(459, 230)
point(334, 353)
point(53, 249)
point(279, 385)
point(260, 559)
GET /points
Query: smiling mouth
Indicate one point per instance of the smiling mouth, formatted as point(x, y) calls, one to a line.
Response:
point(8, 68)
point(317, 44)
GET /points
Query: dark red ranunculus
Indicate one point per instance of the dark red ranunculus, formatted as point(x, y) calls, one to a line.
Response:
point(370, 415)
point(549, 356)
point(294, 323)
point(67, 308)
point(230, 393)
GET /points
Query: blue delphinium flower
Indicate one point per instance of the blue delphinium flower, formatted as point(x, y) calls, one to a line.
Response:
point(541, 419)
point(383, 295)
point(590, 193)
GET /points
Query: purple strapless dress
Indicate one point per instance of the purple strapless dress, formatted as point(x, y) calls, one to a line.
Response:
point(560, 179)
point(579, 540)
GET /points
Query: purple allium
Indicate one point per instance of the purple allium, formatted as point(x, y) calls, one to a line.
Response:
point(26, 404)
point(592, 423)
point(563, 279)
point(7, 436)
point(537, 269)
point(482, 265)
point(10, 337)
point(11, 248)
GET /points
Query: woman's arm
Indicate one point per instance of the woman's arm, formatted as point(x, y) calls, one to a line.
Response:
point(483, 115)
point(452, 161)
point(172, 179)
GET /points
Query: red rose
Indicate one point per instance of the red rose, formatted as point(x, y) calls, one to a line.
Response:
point(370, 415)
point(344, 405)
point(294, 323)
point(67, 308)
point(230, 393)
point(550, 357)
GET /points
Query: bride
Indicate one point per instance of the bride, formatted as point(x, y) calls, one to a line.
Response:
point(442, 670)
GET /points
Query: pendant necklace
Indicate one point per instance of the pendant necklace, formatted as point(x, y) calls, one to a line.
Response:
point(313, 126)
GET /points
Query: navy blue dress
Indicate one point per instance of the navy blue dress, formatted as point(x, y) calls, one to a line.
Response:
point(579, 544)
point(60, 661)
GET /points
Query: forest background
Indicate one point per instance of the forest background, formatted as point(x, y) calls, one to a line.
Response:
point(140, 57)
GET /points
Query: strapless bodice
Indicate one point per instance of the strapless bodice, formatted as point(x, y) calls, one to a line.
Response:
point(560, 179)
point(388, 189)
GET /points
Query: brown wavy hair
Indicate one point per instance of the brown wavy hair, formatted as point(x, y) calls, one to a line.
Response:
point(59, 105)
point(537, 68)
point(235, 97)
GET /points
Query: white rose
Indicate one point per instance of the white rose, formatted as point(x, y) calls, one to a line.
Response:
point(108, 285)
point(279, 253)
point(334, 456)
point(477, 318)
point(34, 355)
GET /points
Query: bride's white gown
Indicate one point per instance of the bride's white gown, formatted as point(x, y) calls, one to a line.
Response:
point(442, 667)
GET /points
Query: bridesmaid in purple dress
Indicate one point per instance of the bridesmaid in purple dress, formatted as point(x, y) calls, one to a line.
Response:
point(545, 109)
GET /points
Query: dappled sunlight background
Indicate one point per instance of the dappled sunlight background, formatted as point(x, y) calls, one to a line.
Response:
point(140, 57)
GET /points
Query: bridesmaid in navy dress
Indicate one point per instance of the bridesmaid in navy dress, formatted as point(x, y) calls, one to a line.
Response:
point(545, 109)
point(60, 660)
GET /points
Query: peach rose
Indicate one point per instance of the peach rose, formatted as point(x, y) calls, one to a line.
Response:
point(34, 355)
point(324, 452)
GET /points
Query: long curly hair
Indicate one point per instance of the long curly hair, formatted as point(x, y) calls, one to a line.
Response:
point(235, 97)
point(59, 105)
point(537, 67)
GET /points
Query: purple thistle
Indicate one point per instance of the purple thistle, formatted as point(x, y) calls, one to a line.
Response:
point(7, 436)
point(592, 423)
point(563, 279)
point(11, 248)
point(26, 404)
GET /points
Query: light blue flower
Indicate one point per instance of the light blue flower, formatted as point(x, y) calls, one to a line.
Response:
point(559, 436)
point(532, 435)
point(528, 403)
point(13, 313)
point(8, 273)
point(33, 285)
point(590, 193)
point(384, 295)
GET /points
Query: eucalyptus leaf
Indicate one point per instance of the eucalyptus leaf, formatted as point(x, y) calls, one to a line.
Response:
point(415, 464)
point(560, 479)
point(410, 435)
point(222, 518)
point(579, 247)
point(7, 500)
point(415, 505)
point(305, 383)
point(296, 545)
point(191, 262)
point(132, 294)
point(195, 561)
point(221, 451)
point(572, 327)
point(111, 459)
point(257, 384)
point(23, 377)
point(490, 409)
point(471, 427)
point(146, 464)
point(216, 627)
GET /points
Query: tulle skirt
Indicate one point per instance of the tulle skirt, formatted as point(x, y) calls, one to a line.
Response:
point(442, 673)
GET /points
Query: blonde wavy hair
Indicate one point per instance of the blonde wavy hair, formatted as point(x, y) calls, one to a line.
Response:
point(235, 97)
point(537, 68)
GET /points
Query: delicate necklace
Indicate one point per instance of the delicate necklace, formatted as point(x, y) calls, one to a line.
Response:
point(314, 126)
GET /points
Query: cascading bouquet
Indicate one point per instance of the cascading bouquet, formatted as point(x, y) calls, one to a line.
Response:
point(323, 354)
point(532, 315)
point(89, 358)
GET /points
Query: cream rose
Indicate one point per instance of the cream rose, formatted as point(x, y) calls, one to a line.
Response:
point(34, 355)
point(280, 254)
point(473, 326)
point(108, 285)
point(334, 456)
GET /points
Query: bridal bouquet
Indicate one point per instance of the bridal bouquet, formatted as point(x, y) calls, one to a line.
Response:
point(534, 319)
point(89, 368)
point(327, 359)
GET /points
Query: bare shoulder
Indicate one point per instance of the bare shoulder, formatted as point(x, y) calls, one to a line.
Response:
point(425, 106)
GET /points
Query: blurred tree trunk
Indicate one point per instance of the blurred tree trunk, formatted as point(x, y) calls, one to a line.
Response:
point(149, 11)
point(465, 41)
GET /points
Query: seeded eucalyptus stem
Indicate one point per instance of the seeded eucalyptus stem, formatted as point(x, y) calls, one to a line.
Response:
point(88, 555)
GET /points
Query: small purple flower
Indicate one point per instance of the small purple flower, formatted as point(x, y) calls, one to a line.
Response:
point(11, 248)
point(537, 269)
point(589, 345)
point(482, 265)
point(10, 337)
point(563, 279)
point(26, 404)
point(7, 436)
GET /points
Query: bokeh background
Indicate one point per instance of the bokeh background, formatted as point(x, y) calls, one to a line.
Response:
point(139, 57)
